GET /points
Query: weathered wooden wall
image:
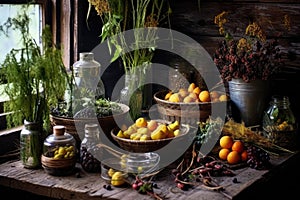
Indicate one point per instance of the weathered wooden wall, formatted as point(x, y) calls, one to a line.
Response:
point(199, 24)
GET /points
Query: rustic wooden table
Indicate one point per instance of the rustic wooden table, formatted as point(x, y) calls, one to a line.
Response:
point(90, 186)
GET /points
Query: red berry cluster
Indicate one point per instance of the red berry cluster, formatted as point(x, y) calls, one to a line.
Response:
point(260, 62)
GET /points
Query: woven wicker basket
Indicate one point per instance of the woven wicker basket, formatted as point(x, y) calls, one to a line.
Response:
point(138, 146)
point(58, 167)
point(187, 113)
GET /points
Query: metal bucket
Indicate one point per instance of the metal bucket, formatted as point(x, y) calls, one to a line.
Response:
point(248, 100)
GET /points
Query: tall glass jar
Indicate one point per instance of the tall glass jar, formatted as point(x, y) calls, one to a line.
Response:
point(89, 152)
point(279, 123)
point(87, 74)
point(31, 144)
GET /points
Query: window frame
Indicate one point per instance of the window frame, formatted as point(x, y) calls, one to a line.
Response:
point(46, 13)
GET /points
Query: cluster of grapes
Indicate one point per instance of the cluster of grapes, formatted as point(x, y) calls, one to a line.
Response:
point(88, 162)
point(260, 62)
point(258, 158)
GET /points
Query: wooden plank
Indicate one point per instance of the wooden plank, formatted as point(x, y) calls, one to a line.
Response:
point(90, 185)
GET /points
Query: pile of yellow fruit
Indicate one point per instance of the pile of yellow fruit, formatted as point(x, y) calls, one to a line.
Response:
point(64, 152)
point(194, 94)
point(149, 130)
point(117, 177)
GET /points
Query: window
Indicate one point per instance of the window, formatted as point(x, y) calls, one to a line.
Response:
point(10, 11)
point(39, 15)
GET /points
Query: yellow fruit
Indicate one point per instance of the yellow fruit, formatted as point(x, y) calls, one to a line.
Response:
point(110, 172)
point(160, 132)
point(233, 157)
point(223, 153)
point(135, 136)
point(223, 97)
point(128, 132)
point(117, 179)
point(204, 96)
point(177, 132)
point(167, 96)
point(175, 98)
point(226, 142)
point(120, 134)
point(173, 126)
point(61, 150)
point(191, 87)
point(145, 137)
point(143, 130)
point(141, 122)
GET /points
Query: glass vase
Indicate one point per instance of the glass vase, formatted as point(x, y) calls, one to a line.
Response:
point(132, 96)
point(31, 144)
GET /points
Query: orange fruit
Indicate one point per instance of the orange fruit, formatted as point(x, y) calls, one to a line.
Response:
point(197, 90)
point(244, 155)
point(204, 96)
point(223, 153)
point(233, 157)
point(226, 142)
point(238, 146)
point(214, 95)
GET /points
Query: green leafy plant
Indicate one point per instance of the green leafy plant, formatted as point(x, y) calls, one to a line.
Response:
point(36, 76)
point(142, 17)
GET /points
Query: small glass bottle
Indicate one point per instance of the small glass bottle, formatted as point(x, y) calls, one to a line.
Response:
point(59, 152)
point(31, 145)
point(89, 151)
point(87, 74)
point(279, 123)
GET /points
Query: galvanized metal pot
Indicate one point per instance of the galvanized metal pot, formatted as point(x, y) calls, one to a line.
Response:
point(249, 100)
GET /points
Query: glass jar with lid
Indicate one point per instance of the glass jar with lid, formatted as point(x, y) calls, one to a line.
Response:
point(89, 152)
point(279, 123)
point(87, 74)
point(59, 152)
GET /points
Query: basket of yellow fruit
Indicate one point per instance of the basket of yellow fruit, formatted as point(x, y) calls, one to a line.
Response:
point(148, 135)
point(189, 105)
